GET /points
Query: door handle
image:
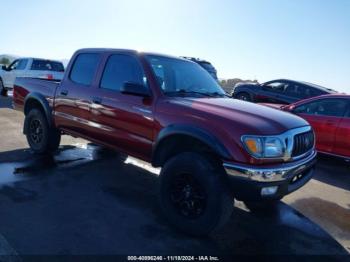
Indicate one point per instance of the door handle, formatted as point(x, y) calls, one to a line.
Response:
point(64, 92)
point(96, 100)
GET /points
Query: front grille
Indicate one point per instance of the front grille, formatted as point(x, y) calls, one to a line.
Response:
point(303, 143)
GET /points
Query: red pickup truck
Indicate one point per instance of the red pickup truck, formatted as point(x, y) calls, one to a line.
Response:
point(171, 112)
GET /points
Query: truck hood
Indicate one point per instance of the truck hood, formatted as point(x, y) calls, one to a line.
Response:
point(250, 117)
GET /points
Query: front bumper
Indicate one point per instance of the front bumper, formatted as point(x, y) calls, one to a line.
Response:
point(248, 182)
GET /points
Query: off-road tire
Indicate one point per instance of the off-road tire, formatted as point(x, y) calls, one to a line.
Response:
point(210, 181)
point(40, 136)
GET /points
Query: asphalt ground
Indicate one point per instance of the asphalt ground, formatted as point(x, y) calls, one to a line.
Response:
point(86, 200)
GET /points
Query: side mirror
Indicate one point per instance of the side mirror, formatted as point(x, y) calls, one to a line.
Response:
point(4, 67)
point(136, 89)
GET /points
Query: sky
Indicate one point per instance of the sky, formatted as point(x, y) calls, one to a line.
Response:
point(307, 40)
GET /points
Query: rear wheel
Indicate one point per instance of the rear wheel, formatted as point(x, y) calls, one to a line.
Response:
point(193, 194)
point(41, 138)
point(244, 96)
point(3, 91)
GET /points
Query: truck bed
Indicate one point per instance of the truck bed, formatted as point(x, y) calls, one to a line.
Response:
point(24, 86)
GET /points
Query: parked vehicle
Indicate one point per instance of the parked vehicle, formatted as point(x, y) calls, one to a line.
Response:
point(171, 113)
point(206, 65)
point(29, 67)
point(279, 91)
point(329, 115)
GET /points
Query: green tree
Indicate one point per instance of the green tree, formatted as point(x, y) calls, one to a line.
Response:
point(4, 61)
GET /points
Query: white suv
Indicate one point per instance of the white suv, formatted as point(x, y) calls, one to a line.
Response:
point(29, 67)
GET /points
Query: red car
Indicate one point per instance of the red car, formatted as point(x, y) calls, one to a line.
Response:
point(329, 115)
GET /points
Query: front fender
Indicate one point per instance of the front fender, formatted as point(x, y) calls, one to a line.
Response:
point(195, 132)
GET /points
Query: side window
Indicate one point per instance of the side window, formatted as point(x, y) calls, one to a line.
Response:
point(276, 87)
point(293, 91)
point(22, 63)
point(299, 91)
point(120, 69)
point(84, 68)
point(14, 65)
point(348, 111)
point(307, 92)
point(325, 107)
point(316, 92)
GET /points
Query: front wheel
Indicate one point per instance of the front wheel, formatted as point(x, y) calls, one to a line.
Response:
point(193, 194)
point(41, 138)
point(3, 91)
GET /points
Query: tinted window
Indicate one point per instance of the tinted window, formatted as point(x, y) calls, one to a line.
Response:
point(120, 69)
point(22, 64)
point(324, 107)
point(84, 68)
point(347, 114)
point(301, 91)
point(319, 88)
point(46, 65)
point(293, 90)
point(277, 87)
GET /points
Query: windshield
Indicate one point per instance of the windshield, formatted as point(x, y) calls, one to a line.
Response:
point(179, 77)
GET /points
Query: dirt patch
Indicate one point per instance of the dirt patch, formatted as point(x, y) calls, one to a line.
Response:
point(332, 217)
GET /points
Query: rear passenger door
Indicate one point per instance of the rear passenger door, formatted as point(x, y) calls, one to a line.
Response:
point(123, 121)
point(73, 96)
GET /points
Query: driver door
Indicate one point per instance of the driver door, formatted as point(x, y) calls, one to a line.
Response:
point(123, 120)
point(271, 92)
point(9, 75)
point(14, 70)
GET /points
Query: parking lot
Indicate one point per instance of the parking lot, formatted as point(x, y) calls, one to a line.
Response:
point(88, 200)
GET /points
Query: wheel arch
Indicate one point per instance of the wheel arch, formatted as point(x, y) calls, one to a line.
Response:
point(37, 100)
point(179, 138)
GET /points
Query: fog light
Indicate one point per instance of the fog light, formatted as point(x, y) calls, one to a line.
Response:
point(267, 191)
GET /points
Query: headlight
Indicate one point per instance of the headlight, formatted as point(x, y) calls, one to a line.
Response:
point(264, 147)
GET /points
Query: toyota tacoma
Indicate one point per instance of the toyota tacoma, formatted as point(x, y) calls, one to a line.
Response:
point(170, 112)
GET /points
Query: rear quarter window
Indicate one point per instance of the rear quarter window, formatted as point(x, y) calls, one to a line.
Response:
point(84, 68)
